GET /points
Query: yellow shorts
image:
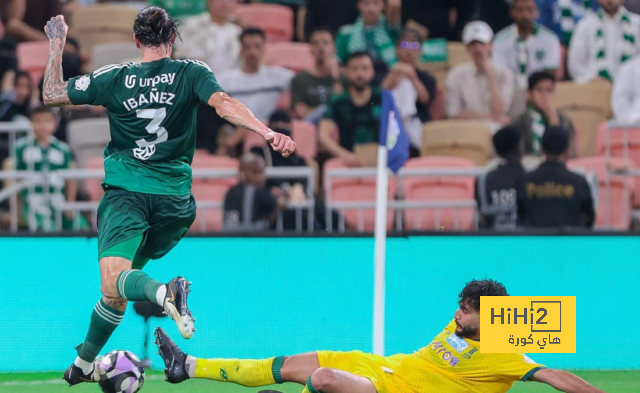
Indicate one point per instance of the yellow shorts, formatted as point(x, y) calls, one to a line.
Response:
point(379, 370)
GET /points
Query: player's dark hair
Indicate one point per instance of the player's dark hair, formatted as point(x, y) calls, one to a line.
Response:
point(409, 34)
point(280, 116)
point(155, 27)
point(41, 109)
point(472, 291)
point(538, 77)
point(507, 142)
point(321, 29)
point(357, 55)
point(252, 31)
point(555, 141)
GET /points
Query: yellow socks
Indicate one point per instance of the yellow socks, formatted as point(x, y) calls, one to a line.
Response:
point(244, 372)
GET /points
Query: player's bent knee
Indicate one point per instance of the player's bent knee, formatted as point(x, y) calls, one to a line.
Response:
point(116, 303)
point(323, 379)
point(110, 269)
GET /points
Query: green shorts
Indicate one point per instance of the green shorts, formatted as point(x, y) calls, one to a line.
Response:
point(159, 221)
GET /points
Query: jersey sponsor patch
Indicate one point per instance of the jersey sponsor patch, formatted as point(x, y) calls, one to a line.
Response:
point(83, 83)
point(457, 343)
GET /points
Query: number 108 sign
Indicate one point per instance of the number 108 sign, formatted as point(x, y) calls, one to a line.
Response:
point(528, 324)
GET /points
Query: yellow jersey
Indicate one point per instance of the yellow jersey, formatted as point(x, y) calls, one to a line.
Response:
point(453, 364)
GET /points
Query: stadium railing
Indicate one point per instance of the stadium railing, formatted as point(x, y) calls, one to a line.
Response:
point(19, 127)
point(24, 180)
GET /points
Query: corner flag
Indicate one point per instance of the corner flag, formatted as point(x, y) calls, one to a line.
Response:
point(393, 152)
point(392, 133)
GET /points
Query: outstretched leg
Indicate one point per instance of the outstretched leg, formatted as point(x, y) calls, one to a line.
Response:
point(303, 369)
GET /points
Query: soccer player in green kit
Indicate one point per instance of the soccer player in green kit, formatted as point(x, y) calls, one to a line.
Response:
point(147, 206)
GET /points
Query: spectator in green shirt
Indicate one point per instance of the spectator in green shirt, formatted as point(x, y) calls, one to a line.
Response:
point(355, 113)
point(181, 8)
point(372, 32)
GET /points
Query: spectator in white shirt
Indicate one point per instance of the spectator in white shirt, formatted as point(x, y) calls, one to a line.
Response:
point(480, 89)
point(211, 37)
point(602, 41)
point(526, 46)
point(258, 86)
point(625, 100)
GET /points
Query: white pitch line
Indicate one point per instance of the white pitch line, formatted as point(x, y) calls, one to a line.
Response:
point(63, 382)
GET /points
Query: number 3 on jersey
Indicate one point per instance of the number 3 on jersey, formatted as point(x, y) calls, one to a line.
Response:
point(147, 148)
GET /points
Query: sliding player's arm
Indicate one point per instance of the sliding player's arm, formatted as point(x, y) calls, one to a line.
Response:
point(563, 381)
point(54, 90)
point(239, 115)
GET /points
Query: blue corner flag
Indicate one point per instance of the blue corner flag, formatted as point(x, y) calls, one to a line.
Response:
point(392, 133)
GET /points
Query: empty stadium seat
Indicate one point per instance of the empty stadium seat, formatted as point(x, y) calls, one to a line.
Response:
point(113, 53)
point(458, 138)
point(32, 58)
point(93, 187)
point(275, 20)
point(356, 189)
point(295, 56)
point(617, 148)
point(457, 54)
point(588, 105)
point(211, 190)
point(452, 188)
point(253, 140)
point(208, 220)
point(103, 23)
point(306, 138)
point(88, 138)
point(612, 211)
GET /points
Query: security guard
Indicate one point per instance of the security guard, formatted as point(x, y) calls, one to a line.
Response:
point(552, 196)
point(496, 191)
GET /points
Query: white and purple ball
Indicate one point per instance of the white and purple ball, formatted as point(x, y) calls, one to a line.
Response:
point(121, 372)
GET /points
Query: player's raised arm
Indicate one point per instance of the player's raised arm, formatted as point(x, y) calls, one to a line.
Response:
point(564, 381)
point(236, 113)
point(54, 90)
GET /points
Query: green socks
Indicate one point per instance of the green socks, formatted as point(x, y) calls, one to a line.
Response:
point(104, 320)
point(137, 285)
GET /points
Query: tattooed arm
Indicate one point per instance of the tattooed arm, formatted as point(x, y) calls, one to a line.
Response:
point(54, 90)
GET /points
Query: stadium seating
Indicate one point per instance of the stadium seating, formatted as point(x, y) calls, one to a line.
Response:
point(88, 138)
point(93, 187)
point(113, 53)
point(617, 143)
point(306, 138)
point(452, 188)
point(458, 138)
point(614, 206)
point(356, 189)
point(211, 190)
point(252, 140)
point(588, 106)
point(275, 20)
point(103, 23)
point(457, 54)
point(32, 58)
point(295, 56)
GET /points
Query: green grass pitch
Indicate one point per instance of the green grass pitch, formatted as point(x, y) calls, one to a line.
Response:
point(609, 381)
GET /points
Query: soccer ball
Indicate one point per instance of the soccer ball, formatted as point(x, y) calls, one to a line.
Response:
point(121, 372)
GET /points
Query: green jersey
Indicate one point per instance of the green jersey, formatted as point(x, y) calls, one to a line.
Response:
point(40, 202)
point(152, 116)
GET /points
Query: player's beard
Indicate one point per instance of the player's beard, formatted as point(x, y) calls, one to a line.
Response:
point(466, 331)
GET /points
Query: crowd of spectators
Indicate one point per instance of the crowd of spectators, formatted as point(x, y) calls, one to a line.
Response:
point(518, 51)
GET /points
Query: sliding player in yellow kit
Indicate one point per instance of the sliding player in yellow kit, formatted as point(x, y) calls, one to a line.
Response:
point(451, 363)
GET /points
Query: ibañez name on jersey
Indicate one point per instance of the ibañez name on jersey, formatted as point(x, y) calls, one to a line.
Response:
point(154, 96)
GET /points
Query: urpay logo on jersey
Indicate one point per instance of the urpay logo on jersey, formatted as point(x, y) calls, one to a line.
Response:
point(517, 324)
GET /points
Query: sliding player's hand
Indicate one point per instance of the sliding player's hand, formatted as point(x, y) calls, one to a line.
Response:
point(280, 143)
